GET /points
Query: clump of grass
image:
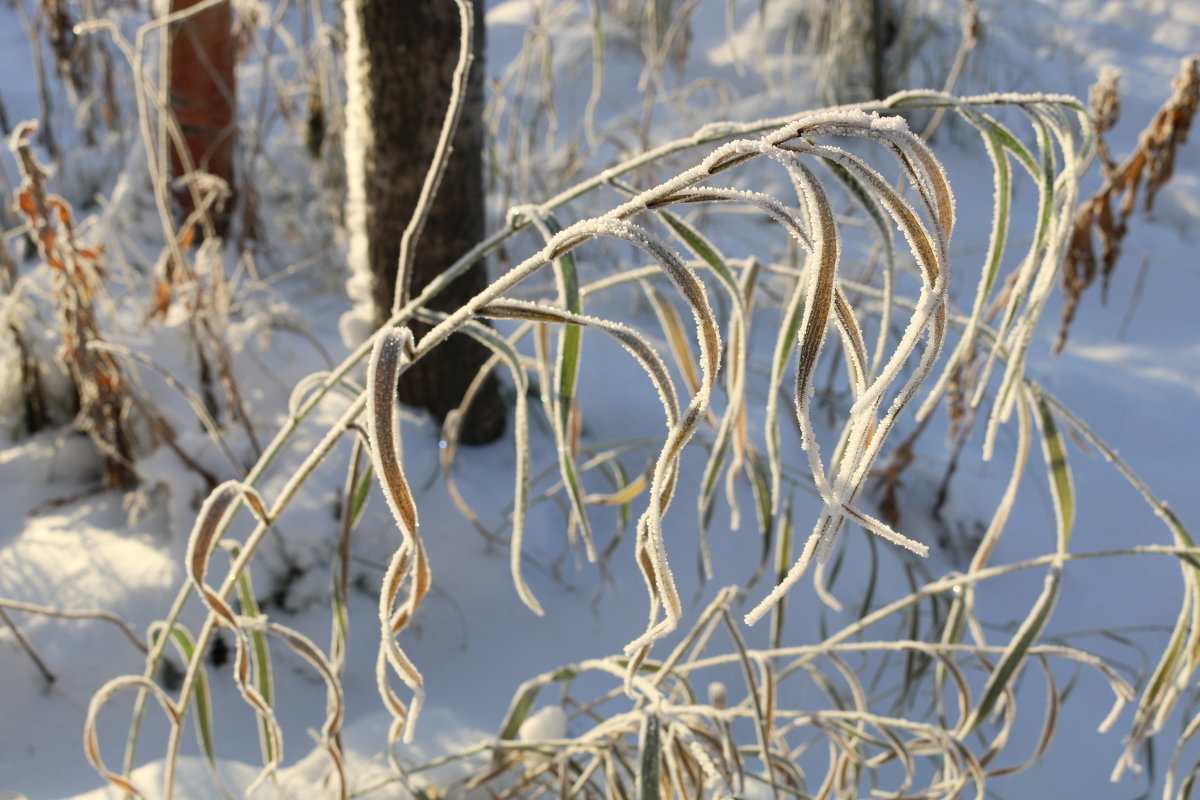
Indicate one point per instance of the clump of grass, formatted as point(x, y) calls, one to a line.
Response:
point(1104, 217)
point(815, 304)
point(709, 719)
point(649, 730)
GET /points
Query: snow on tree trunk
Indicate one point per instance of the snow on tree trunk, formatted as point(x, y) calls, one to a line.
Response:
point(400, 58)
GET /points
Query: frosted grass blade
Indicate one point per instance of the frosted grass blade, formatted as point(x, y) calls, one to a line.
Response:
point(633, 342)
point(783, 558)
point(677, 343)
point(388, 361)
point(504, 351)
point(203, 539)
point(334, 701)
point(736, 353)
point(997, 240)
point(91, 745)
point(566, 380)
point(389, 358)
point(962, 611)
point(1001, 678)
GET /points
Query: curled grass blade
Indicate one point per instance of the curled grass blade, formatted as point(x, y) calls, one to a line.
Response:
point(677, 343)
point(1049, 724)
point(627, 337)
point(865, 436)
point(388, 361)
point(391, 655)
point(525, 697)
point(1182, 653)
point(201, 543)
point(389, 358)
point(997, 239)
point(1061, 195)
point(504, 351)
point(878, 218)
point(203, 538)
point(91, 745)
point(334, 700)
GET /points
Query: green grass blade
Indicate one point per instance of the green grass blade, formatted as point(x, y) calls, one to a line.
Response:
point(1062, 487)
point(264, 681)
point(525, 698)
point(1033, 285)
point(997, 239)
point(1017, 651)
point(648, 778)
point(566, 379)
point(705, 251)
point(783, 560)
point(719, 455)
point(186, 645)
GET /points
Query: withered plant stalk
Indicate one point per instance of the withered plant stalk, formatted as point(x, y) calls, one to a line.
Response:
point(77, 277)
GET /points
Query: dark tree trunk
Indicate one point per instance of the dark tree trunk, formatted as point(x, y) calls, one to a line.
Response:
point(404, 65)
point(203, 92)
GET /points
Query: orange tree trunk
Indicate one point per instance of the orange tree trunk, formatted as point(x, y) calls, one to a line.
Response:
point(203, 97)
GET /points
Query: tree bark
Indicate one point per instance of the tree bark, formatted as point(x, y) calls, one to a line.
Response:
point(203, 99)
point(400, 62)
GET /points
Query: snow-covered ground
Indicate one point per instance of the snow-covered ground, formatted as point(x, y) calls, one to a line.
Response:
point(1131, 370)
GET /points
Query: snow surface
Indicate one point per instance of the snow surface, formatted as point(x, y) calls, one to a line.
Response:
point(1131, 370)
